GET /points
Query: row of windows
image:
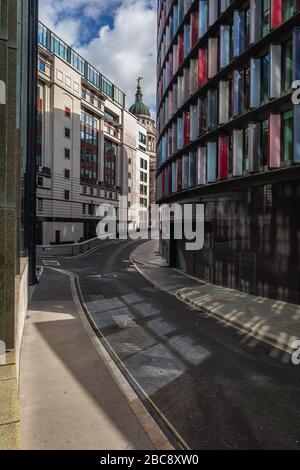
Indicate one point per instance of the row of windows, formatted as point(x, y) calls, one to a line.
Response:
point(96, 192)
point(143, 190)
point(50, 41)
point(261, 146)
point(262, 79)
point(256, 21)
point(248, 27)
point(89, 125)
point(91, 98)
point(143, 164)
point(144, 177)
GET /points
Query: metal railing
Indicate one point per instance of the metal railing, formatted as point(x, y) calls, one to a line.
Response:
point(75, 249)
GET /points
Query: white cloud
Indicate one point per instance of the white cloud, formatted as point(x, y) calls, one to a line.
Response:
point(122, 52)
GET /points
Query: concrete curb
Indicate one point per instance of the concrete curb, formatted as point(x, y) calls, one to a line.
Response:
point(268, 338)
point(148, 423)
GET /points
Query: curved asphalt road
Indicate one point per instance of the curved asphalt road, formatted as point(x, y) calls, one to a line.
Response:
point(217, 387)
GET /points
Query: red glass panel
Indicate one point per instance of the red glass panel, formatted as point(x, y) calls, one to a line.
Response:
point(223, 156)
point(276, 13)
point(186, 125)
point(180, 49)
point(179, 174)
point(202, 67)
point(274, 140)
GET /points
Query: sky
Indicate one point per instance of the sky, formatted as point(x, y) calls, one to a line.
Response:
point(118, 37)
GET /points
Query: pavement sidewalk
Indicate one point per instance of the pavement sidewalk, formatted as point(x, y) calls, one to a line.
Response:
point(68, 397)
point(274, 321)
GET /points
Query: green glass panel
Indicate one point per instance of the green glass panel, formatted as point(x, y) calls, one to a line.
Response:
point(287, 136)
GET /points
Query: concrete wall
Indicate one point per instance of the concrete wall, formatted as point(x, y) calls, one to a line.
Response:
point(21, 308)
point(69, 231)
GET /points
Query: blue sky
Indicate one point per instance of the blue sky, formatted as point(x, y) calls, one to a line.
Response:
point(117, 36)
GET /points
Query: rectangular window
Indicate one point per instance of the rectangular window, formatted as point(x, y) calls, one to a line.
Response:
point(265, 77)
point(59, 47)
point(67, 154)
point(67, 174)
point(265, 142)
point(93, 76)
point(142, 138)
point(40, 205)
point(67, 195)
point(287, 65)
point(287, 136)
point(42, 35)
point(67, 133)
point(266, 12)
point(67, 112)
point(77, 62)
point(40, 181)
point(245, 152)
point(287, 9)
point(42, 66)
point(83, 208)
point(107, 87)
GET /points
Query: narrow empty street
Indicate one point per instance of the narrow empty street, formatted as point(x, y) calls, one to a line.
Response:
point(216, 386)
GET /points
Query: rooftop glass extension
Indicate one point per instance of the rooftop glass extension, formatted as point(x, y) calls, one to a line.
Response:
point(54, 44)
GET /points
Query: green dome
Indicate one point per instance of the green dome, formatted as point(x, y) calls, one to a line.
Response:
point(139, 108)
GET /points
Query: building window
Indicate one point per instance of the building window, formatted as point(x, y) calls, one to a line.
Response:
point(109, 116)
point(40, 205)
point(266, 12)
point(42, 35)
point(67, 174)
point(93, 76)
point(91, 192)
point(287, 136)
point(129, 190)
point(67, 154)
point(40, 181)
point(89, 135)
point(67, 133)
point(42, 66)
point(245, 152)
point(287, 65)
point(77, 62)
point(84, 190)
point(265, 77)
point(107, 87)
point(265, 142)
point(288, 9)
point(59, 47)
point(110, 162)
point(67, 112)
point(142, 138)
point(84, 209)
point(67, 195)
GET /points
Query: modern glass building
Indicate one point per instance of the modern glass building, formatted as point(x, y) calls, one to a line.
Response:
point(228, 137)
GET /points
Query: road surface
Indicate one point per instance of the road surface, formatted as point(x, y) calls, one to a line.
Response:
point(219, 388)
